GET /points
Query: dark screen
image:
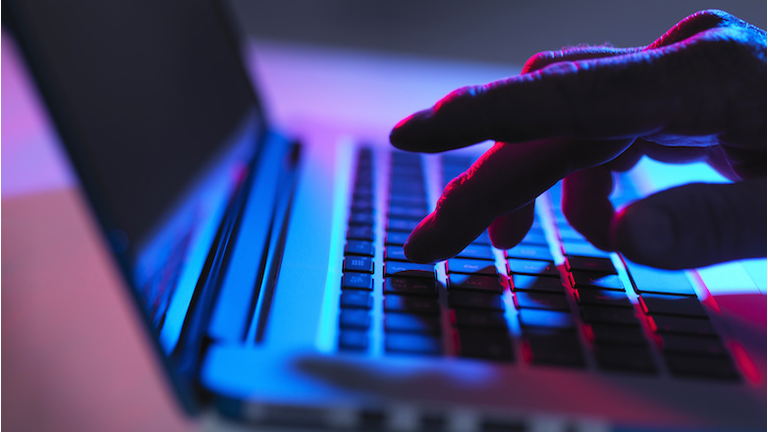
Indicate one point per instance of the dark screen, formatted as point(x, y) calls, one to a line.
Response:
point(146, 90)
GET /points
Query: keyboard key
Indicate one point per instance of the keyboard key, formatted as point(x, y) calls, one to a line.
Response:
point(361, 218)
point(409, 269)
point(413, 286)
point(360, 232)
point(474, 282)
point(402, 212)
point(406, 173)
point(582, 279)
point(407, 181)
point(684, 325)
point(397, 238)
point(402, 225)
point(358, 264)
point(609, 334)
point(354, 318)
point(364, 186)
point(697, 366)
point(394, 253)
point(362, 205)
point(567, 233)
point(476, 251)
point(602, 265)
point(413, 344)
point(407, 178)
point(624, 358)
point(482, 239)
point(460, 265)
point(417, 305)
point(537, 283)
point(530, 252)
point(356, 299)
point(553, 348)
point(410, 183)
point(672, 305)
point(403, 159)
point(353, 340)
point(407, 200)
point(357, 280)
point(364, 193)
point(364, 176)
point(651, 280)
point(484, 345)
point(532, 267)
point(541, 300)
point(359, 247)
point(582, 248)
point(610, 315)
point(411, 169)
point(456, 162)
point(403, 322)
point(535, 237)
point(459, 299)
point(692, 344)
point(487, 320)
point(402, 189)
point(540, 318)
point(601, 297)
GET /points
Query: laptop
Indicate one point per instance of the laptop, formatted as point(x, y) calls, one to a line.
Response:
point(270, 276)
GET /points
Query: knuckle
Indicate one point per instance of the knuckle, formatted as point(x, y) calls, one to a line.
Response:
point(693, 25)
point(703, 20)
point(541, 60)
point(710, 17)
point(731, 63)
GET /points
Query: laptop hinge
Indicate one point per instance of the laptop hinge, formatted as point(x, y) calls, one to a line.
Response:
point(194, 337)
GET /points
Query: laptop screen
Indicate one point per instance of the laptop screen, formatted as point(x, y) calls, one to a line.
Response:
point(159, 119)
point(149, 90)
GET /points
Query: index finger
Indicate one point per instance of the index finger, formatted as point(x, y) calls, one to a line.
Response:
point(505, 179)
point(618, 97)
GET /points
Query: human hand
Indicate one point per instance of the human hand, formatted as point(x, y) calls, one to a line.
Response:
point(696, 93)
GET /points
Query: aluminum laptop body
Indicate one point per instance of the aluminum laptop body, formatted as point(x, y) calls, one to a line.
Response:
point(235, 242)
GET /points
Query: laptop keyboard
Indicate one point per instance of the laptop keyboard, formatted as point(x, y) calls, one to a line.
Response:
point(554, 300)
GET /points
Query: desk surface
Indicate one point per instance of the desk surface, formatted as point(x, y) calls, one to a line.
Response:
point(73, 353)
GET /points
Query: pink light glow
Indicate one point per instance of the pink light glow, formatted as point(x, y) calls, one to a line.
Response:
point(744, 362)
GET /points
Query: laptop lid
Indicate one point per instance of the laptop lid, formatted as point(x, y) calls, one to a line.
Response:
point(161, 122)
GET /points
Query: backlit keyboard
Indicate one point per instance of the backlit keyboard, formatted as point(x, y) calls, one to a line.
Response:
point(554, 300)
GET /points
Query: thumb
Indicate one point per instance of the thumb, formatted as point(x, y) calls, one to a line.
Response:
point(695, 225)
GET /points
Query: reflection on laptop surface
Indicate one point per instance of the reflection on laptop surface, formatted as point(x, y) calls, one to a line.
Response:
point(272, 280)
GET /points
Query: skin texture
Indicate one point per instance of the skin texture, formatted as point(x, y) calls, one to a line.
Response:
point(697, 93)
